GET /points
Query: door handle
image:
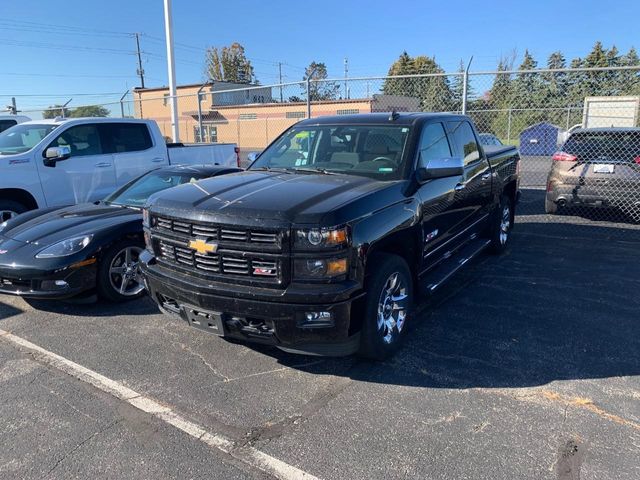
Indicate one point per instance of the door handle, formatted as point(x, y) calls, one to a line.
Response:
point(157, 160)
point(103, 164)
point(459, 187)
point(485, 177)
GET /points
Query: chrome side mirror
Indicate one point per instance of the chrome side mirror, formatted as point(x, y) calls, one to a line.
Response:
point(56, 154)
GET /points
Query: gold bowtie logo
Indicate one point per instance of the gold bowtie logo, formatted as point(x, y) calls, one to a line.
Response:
point(203, 247)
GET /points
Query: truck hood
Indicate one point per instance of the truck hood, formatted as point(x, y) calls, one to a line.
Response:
point(279, 198)
point(56, 225)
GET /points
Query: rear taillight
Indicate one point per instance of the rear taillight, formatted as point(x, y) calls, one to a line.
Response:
point(637, 160)
point(237, 150)
point(564, 157)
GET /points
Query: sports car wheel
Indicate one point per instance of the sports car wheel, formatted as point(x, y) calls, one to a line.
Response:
point(118, 274)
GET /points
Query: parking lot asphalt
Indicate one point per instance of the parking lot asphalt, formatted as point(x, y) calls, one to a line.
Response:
point(524, 366)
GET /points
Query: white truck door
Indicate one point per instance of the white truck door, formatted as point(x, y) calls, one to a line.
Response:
point(87, 175)
point(134, 152)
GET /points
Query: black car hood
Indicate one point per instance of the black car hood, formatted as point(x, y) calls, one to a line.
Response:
point(56, 225)
point(256, 196)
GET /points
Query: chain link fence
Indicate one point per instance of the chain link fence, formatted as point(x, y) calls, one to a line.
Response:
point(569, 174)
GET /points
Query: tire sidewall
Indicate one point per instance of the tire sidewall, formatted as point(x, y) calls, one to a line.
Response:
point(103, 282)
point(372, 344)
point(496, 245)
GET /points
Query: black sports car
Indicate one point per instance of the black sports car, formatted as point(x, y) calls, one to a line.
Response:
point(62, 252)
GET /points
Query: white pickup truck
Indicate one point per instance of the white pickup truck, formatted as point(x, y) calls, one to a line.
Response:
point(46, 163)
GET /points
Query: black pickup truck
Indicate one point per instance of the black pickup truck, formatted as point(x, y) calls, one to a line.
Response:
point(323, 244)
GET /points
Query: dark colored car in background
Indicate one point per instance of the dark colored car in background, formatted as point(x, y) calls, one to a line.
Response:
point(63, 252)
point(323, 243)
point(597, 168)
point(489, 140)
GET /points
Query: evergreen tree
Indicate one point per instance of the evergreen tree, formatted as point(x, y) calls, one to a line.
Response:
point(318, 89)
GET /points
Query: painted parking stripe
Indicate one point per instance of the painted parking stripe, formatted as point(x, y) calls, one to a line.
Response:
point(248, 455)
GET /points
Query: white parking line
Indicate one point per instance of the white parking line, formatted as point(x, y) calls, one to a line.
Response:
point(249, 455)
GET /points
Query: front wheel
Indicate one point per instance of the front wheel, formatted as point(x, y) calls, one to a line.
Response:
point(119, 276)
point(502, 225)
point(10, 209)
point(388, 306)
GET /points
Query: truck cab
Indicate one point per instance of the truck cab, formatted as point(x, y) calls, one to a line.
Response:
point(323, 244)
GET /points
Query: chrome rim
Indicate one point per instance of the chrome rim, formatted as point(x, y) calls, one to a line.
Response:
point(7, 215)
point(124, 274)
point(392, 308)
point(505, 224)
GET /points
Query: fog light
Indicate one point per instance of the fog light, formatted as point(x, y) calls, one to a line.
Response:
point(317, 320)
point(53, 284)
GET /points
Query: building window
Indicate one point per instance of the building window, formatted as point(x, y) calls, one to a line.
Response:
point(295, 115)
point(210, 134)
point(165, 99)
point(248, 116)
point(348, 111)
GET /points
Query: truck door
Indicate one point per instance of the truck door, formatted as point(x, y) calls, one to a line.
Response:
point(87, 175)
point(474, 192)
point(133, 150)
point(442, 205)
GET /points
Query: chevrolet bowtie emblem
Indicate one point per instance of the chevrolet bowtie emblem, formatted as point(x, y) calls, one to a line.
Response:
point(202, 246)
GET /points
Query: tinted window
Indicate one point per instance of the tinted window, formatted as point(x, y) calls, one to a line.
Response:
point(82, 139)
point(465, 140)
point(614, 145)
point(4, 124)
point(128, 137)
point(433, 144)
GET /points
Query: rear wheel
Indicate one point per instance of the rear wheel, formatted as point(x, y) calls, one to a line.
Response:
point(119, 277)
point(388, 306)
point(10, 209)
point(502, 225)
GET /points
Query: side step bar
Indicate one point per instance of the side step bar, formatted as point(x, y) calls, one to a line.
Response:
point(440, 274)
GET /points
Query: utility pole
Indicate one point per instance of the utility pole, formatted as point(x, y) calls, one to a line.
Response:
point(171, 67)
point(140, 71)
point(346, 74)
point(280, 79)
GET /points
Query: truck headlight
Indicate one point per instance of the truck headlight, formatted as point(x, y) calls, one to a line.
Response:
point(145, 218)
point(65, 247)
point(318, 268)
point(320, 237)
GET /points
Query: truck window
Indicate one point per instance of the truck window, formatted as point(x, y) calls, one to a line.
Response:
point(4, 124)
point(465, 141)
point(127, 137)
point(433, 144)
point(23, 137)
point(83, 140)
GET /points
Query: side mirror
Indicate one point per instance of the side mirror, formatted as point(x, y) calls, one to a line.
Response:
point(441, 168)
point(253, 156)
point(52, 155)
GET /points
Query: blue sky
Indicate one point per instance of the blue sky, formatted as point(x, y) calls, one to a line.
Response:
point(86, 48)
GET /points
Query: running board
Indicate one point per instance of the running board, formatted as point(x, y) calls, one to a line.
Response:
point(439, 275)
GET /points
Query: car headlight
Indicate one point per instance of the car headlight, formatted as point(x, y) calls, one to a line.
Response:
point(3, 225)
point(145, 217)
point(318, 268)
point(66, 247)
point(320, 237)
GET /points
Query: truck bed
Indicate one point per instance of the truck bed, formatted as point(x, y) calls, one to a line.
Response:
point(202, 154)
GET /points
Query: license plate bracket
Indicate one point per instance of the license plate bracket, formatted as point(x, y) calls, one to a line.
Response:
point(603, 168)
point(210, 322)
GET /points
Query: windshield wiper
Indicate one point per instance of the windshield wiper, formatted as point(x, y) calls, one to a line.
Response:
point(324, 171)
point(271, 169)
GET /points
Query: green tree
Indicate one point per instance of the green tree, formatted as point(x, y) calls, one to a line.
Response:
point(630, 79)
point(434, 92)
point(457, 89)
point(89, 111)
point(54, 111)
point(319, 88)
point(229, 64)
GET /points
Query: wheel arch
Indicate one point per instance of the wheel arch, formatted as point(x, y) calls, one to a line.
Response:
point(19, 195)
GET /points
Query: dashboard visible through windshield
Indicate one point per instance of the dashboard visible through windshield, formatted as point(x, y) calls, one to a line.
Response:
point(365, 150)
point(23, 137)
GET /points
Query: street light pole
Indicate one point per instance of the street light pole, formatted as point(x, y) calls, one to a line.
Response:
point(171, 66)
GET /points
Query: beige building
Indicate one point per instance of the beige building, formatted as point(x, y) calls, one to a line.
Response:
point(246, 116)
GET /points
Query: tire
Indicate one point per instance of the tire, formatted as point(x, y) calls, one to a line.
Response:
point(116, 268)
point(502, 225)
point(11, 208)
point(550, 206)
point(384, 326)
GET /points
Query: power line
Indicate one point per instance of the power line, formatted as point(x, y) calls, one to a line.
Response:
point(51, 46)
point(16, 74)
point(69, 28)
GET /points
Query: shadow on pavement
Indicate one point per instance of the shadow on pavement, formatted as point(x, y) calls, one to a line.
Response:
point(96, 308)
point(7, 311)
point(560, 304)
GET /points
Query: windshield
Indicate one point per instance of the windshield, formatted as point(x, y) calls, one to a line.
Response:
point(23, 137)
point(136, 193)
point(365, 150)
point(621, 145)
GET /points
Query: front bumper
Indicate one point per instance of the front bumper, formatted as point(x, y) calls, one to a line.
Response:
point(260, 315)
point(41, 284)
